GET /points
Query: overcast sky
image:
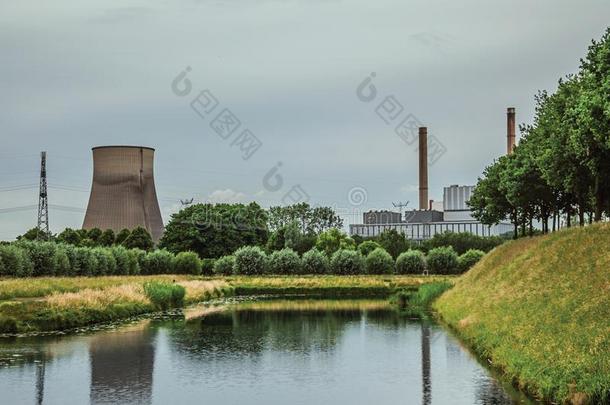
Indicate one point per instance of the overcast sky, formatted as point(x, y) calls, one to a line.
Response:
point(77, 74)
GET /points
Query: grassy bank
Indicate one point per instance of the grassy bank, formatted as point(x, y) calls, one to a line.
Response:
point(85, 301)
point(539, 310)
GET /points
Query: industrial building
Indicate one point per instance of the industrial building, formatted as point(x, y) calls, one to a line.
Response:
point(452, 215)
point(123, 191)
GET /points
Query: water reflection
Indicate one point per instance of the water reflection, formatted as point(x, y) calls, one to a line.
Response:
point(272, 352)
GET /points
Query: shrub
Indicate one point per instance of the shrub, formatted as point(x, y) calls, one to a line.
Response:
point(315, 262)
point(121, 236)
point(347, 261)
point(16, 261)
point(133, 260)
point(187, 263)
point(285, 261)
point(69, 236)
point(164, 295)
point(62, 263)
point(70, 251)
point(250, 260)
point(139, 255)
point(379, 262)
point(463, 241)
point(107, 238)
point(42, 256)
point(469, 259)
point(207, 266)
point(394, 242)
point(121, 257)
point(224, 265)
point(106, 264)
point(157, 262)
point(94, 234)
point(367, 247)
point(85, 261)
point(411, 262)
point(442, 260)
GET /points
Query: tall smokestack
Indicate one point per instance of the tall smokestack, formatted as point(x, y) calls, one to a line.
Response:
point(510, 130)
point(423, 168)
point(123, 191)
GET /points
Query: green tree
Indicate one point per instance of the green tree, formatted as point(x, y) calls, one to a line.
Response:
point(35, 234)
point(107, 238)
point(332, 240)
point(139, 239)
point(121, 236)
point(393, 242)
point(94, 234)
point(69, 236)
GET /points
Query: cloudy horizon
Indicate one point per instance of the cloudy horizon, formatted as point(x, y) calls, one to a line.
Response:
point(78, 75)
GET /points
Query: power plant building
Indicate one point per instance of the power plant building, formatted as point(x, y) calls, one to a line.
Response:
point(123, 191)
point(432, 217)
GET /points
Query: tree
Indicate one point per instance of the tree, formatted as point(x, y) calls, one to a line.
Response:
point(107, 238)
point(393, 242)
point(332, 240)
point(94, 234)
point(121, 236)
point(215, 230)
point(35, 234)
point(69, 236)
point(139, 239)
point(311, 220)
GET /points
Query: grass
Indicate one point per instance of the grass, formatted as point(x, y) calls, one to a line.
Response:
point(418, 303)
point(539, 310)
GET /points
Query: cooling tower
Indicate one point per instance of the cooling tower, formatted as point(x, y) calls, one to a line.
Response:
point(123, 191)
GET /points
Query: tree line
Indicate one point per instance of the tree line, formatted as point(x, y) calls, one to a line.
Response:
point(561, 167)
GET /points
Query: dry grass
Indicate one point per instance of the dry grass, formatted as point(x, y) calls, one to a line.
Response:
point(201, 290)
point(91, 298)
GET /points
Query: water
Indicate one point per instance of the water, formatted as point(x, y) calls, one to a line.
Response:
point(264, 352)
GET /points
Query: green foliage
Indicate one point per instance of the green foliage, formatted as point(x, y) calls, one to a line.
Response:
point(122, 260)
point(41, 255)
point(393, 242)
point(411, 262)
point(215, 230)
point(106, 263)
point(442, 260)
point(94, 234)
point(419, 303)
point(379, 262)
point(164, 295)
point(85, 261)
point(291, 236)
point(462, 242)
point(35, 234)
point(310, 220)
point(332, 240)
point(139, 238)
point(107, 238)
point(250, 260)
point(122, 236)
point(134, 257)
point(207, 266)
point(16, 261)
point(187, 263)
point(224, 265)
point(157, 262)
point(347, 262)
point(315, 262)
point(367, 247)
point(285, 261)
point(469, 259)
point(69, 236)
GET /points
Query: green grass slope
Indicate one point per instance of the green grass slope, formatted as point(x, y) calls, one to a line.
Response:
point(539, 309)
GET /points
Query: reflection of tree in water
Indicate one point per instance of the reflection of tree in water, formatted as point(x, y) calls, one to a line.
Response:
point(426, 364)
point(489, 392)
point(122, 367)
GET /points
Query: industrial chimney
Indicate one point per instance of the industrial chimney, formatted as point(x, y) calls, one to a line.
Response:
point(123, 191)
point(423, 168)
point(510, 130)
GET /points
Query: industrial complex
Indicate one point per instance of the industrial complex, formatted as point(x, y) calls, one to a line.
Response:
point(451, 215)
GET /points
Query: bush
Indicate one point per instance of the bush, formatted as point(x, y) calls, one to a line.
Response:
point(315, 262)
point(250, 260)
point(367, 247)
point(69, 236)
point(394, 242)
point(139, 256)
point(106, 264)
point(133, 260)
point(411, 262)
point(285, 261)
point(462, 242)
point(16, 261)
point(62, 263)
point(122, 236)
point(157, 262)
point(379, 262)
point(164, 295)
point(140, 239)
point(224, 265)
point(42, 256)
point(107, 238)
point(442, 260)
point(70, 251)
point(187, 263)
point(85, 261)
point(207, 266)
point(469, 259)
point(346, 262)
point(121, 257)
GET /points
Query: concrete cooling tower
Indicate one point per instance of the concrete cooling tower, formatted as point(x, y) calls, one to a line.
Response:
point(123, 191)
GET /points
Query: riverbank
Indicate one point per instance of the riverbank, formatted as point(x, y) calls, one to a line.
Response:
point(539, 309)
point(59, 303)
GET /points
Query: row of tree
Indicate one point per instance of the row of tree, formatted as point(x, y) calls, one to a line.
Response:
point(561, 167)
point(138, 238)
